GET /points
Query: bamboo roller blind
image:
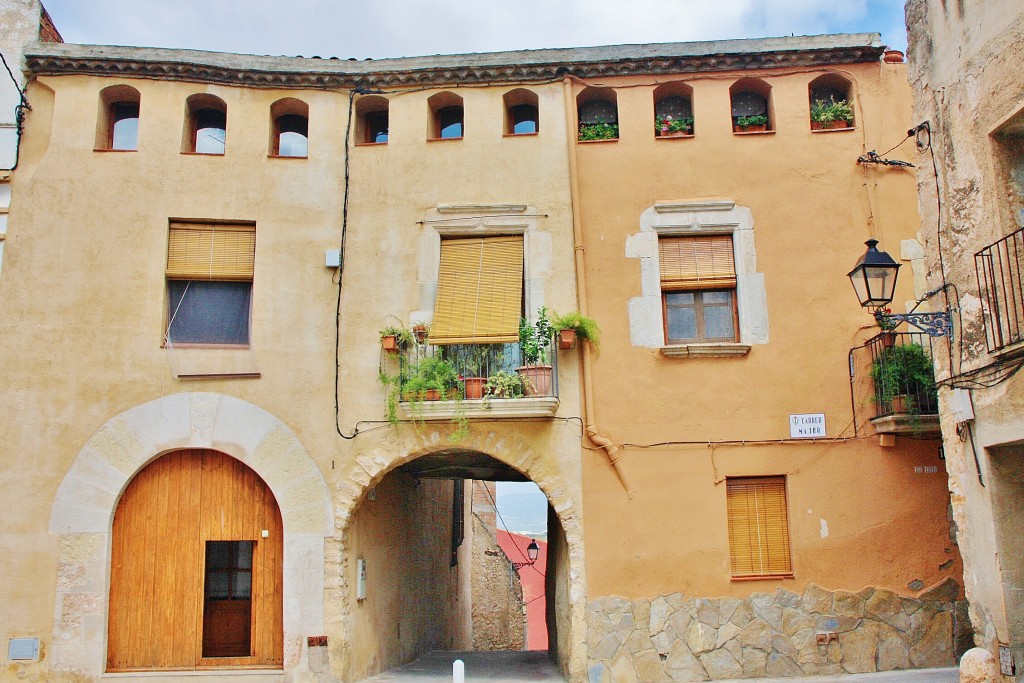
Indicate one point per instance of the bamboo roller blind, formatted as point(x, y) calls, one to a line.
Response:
point(704, 262)
point(758, 527)
point(479, 291)
point(211, 252)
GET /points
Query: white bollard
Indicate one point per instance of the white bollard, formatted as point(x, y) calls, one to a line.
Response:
point(458, 671)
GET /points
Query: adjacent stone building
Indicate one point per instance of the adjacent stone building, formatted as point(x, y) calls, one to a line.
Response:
point(210, 462)
point(969, 111)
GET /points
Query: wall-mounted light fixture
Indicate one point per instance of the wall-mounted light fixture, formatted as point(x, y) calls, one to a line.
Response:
point(532, 552)
point(874, 281)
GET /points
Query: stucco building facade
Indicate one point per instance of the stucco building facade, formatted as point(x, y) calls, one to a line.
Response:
point(967, 85)
point(202, 254)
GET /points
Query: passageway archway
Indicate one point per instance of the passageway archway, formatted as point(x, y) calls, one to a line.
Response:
point(405, 575)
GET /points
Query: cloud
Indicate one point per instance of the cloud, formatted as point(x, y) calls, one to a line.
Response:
point(394, 28)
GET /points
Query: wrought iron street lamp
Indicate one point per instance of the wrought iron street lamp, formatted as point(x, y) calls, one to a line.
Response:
point(532, 552)
point(874, 282)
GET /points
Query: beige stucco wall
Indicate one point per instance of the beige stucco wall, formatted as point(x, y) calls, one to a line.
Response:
point(404, 535)
point(964, 71)
point(84, 310)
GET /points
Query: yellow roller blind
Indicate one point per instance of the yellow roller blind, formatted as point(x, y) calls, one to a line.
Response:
point(479, 291)
point(704, 262)
point(211, 252)
point(758, 527)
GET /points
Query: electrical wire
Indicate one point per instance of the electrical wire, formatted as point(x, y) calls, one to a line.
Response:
point(505, 526)
point(19, 114)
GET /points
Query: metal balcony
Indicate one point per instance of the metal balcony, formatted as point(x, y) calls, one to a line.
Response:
point(442, 382)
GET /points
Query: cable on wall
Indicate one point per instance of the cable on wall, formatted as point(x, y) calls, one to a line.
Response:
point(19, 113)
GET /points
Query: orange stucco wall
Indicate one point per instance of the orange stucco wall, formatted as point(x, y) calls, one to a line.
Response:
point(812, 207)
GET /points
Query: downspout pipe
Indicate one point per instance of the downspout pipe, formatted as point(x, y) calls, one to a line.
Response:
point(612, 451)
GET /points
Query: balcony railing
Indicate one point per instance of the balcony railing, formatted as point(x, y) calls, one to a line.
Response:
point(1000, 268)
point(902, 374)
point(473, 380)
point(901, 369)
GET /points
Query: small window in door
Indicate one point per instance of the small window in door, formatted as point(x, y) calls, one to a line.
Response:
point(227, 599)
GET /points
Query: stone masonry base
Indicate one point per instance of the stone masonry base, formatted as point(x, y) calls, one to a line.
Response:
point(821, 632)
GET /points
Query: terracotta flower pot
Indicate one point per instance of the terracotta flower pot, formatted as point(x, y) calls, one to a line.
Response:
point(567, 339)
point(893, 57)
point(389, 343)
point(901, 403)
point(537, 379)
point(759, 128)
point(420, 332)
point(474, 387)
point(673, 134)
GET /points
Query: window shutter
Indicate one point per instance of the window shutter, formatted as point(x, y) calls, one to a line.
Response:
point(758, 527)
point(479, 291)
point(211, 252)
point(704, 262)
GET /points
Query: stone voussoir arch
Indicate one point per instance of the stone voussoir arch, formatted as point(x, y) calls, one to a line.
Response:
point(85, 502)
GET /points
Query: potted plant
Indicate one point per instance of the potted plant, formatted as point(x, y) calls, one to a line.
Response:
point(831, 114)
point(904, 380)
point(575, 325)
point(474, 362)
point(420, 332)
point(599, 131)
point(395, 338)
point(750, 124)
point(504, 384)
point(431, 380)
point(668, 127)
point(535, 342)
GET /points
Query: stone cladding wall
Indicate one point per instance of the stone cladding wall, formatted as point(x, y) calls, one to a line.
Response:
point(679, 638)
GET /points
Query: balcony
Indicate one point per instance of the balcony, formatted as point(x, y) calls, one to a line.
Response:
point(455, 381)
point(1000, 271)
point(905, 396)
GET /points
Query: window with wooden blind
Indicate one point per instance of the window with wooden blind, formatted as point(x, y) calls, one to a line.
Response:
point(758, 527)
point(209, 282)
point(479, 291)
point(698, 285)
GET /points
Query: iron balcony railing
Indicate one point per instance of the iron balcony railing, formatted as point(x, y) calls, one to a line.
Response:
point(903, 375)
point(427, 372)
point(1000, 270)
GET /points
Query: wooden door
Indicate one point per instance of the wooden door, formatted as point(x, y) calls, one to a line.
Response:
point(162, 524)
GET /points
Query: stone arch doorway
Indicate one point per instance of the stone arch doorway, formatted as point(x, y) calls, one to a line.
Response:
point(405, 574)
point(83, 512)
point(196, 567)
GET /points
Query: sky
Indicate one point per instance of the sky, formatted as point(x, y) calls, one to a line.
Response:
point(405, 28)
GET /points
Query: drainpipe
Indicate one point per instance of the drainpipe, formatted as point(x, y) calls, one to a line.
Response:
point(613, 452)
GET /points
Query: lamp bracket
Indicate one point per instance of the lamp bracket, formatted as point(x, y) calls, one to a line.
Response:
point(936, 324)
point(519, 565)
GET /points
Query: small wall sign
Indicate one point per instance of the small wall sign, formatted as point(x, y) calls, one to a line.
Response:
point(23, 649)
point(807, 426)
point(1006, 666)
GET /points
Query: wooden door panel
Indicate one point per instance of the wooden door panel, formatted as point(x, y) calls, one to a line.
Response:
point(165, 516)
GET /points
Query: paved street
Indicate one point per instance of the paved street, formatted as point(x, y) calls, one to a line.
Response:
point(493, 667)
point(496, 667)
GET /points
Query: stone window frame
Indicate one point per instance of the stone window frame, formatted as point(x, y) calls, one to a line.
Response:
point(691, 217)
point(483, 220)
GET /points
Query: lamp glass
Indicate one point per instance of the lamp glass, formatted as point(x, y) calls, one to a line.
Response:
point(874, 277)
point(533, 551)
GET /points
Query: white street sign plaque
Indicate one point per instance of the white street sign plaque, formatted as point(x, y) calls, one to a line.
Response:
point(807, 426)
